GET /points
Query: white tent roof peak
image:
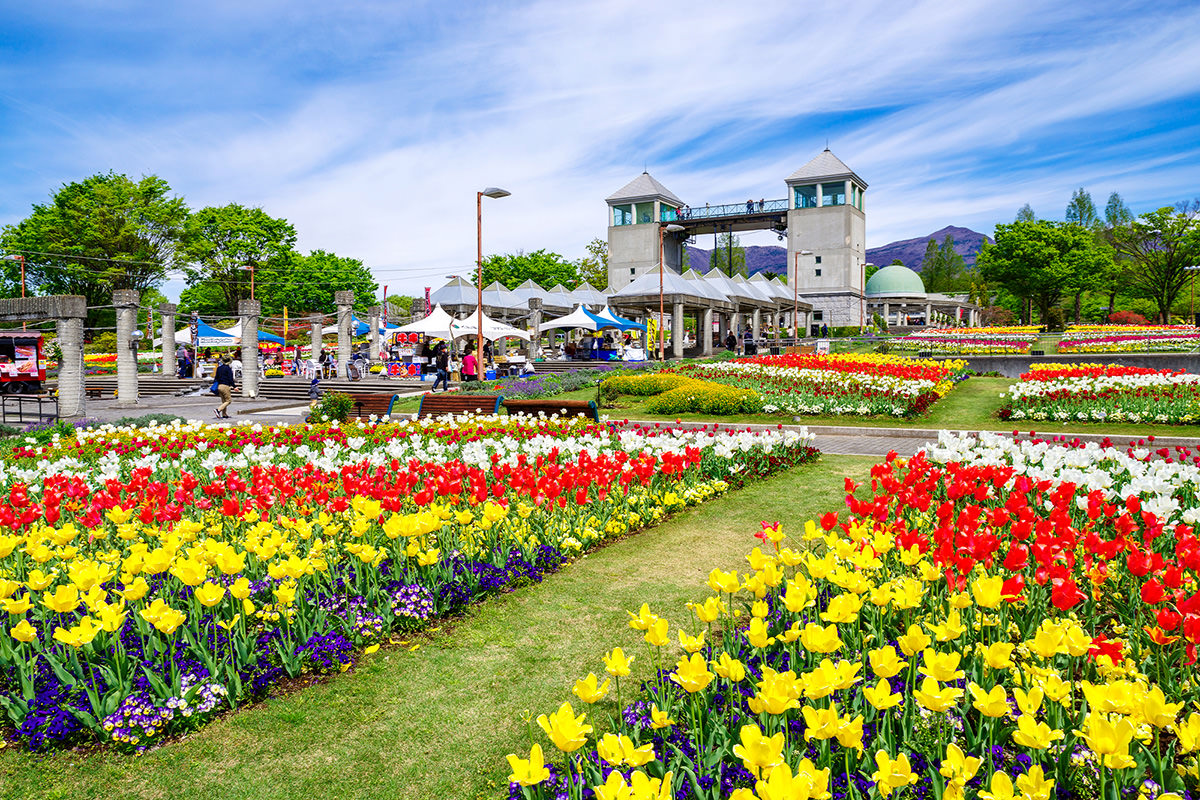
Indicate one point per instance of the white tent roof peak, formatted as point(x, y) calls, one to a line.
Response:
point(643, 187)
point(824, 166)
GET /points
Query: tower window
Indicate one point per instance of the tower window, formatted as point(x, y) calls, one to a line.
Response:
point(818, 273)
point(818, 260)
point(622, 215)
point(805, 196)
point(633, 270)
point(833, 194)
point(644, 213)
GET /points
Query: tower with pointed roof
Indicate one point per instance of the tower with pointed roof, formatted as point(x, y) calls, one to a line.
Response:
point(635, 212)
point(827, 232)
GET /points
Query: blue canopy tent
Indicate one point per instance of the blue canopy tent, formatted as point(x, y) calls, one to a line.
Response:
point(212, 337)
point(610, 318)
point(264, 336)
point(360, 328)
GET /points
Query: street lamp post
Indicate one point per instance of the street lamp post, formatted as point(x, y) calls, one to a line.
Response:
point(796, 296)
point(1192, 269)
point(19, 257)
point(662, 230)
point(494, 193)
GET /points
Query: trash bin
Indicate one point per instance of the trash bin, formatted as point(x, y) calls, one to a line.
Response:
point(489, 374)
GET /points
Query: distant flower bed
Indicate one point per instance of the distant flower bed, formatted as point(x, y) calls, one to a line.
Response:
point(554, 383)
point(1104, 392)
point(1013, 340)
point(1129, 339)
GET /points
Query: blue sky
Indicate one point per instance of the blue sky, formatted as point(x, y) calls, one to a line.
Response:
point(370, 125)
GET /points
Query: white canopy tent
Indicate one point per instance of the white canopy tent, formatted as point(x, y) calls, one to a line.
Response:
point(492, 329)
point(438, 323)
point(579, 318)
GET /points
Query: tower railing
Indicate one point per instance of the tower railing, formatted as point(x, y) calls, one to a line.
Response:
point(750, 207)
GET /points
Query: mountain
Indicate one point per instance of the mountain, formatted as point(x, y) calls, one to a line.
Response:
point(967, 243)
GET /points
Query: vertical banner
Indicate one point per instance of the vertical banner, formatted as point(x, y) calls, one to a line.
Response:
point(285, 324)
point(194, 329)
point(428, 309)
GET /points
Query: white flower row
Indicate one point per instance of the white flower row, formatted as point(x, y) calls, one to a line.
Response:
point(1099, 383)
point(824, 377)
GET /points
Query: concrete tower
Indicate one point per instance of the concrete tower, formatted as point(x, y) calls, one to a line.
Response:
point(635, 213)
point(827, 233)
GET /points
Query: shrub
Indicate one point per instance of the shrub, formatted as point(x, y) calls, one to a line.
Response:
point(1127, 318)
point(105, 342)
point(8, 430)
point(644, 385)
point(842, 331)
point(1055, 319)
point(704, 397)
point(333, 407)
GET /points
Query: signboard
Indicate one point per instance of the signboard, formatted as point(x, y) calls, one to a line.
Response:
point(823, 347)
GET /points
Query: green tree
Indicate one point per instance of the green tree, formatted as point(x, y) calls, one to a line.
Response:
point(942, 266)
point(206, 299)
point(1025, 214)
point(306, 284)
point(223, 243)
point(1158, 247)
point(545, 268)
point(728, 255)
point(1081, 210)
point(593, 267)
point(1040, 261)
point(103, 233)
point(1116, 213)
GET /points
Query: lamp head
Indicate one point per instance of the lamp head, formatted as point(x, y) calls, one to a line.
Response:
point(495, 192)
point(674, 228)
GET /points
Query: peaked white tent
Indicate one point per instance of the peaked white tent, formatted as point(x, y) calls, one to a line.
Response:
point(579, 318)
point(492, 329)
point(438, 323)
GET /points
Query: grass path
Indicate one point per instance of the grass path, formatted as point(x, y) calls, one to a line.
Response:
point(438, 721)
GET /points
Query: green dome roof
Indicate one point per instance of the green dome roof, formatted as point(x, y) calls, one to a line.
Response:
point(895, 279)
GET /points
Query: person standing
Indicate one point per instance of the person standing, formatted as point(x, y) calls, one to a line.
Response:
point(225, 384)
point(441, 361)
point(470, 365)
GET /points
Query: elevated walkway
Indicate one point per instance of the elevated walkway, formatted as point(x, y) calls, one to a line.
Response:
point(753, 215)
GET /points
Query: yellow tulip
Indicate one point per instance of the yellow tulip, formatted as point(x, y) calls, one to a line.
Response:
point(692, 644)
point(850, 733)
point(567, 731)
point(240, 588)
point(64, 600)
point(881, 695)
point(957, 767)
point(942, 667)
point(987, 591)
point(1109, 740)
point(210, 594)
point(616, 663)
point(1029, 702)
point(643, 619)
point(23, 631)
point(1034, 735)
point(691, 673)
point(998, 655)
point(709, 611)
point(759, 754)
point(1189, 733)
point(37, 580)
point(885, 663)
point(1034, 785)
point(914, 640)
point(892, 774)
point(782, 784)
point(935, 698)
point(821, 723)
point(657, 633)
point(1001, 787)
point(619, 749)
point(530, 771)
point(820, 640)
point(659, 719)
point(842, 609)
point(756, 634)
point(1157, 711)
point(189, 572)
point(18, 605)
point(587, 690)
point(135, 590)
point(990, 704)
point(730, 669)
point(778, 692)
point(949, 630)
point(726, 582)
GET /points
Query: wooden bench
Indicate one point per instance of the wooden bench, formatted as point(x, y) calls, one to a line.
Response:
point(94, 391)
point(378, 404)
point(438, 405)
point(564, 408)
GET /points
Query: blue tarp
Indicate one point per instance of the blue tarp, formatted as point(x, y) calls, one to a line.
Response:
point(360, 328)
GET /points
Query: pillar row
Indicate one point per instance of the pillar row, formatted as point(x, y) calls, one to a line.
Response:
point(249, 311)
point(167, 312)
point(126, 303)
point(677, 330)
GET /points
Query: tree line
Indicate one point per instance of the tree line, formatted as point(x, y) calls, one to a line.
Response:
point(109, 231)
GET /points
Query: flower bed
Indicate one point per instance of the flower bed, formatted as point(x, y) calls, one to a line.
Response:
point(1100, 393)
point(1014, 340)
point(679, 394)
point(154, 577)
point(862, 385)
point(554, 383)
point(991, 619)
point(1129, 339)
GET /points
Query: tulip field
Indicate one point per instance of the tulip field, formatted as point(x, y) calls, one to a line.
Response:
point(863, 385)
point(1129, 339)
point(1103, 393)
point(154, 578)
point(1009, 340)
point(989, 619)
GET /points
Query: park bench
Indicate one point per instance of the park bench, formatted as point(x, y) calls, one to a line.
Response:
point(94, 391)
point(378, 404)
point(564, 408)
point(438, 405)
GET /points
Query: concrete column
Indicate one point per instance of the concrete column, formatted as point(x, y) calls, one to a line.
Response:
point(756, 324)
point(249, 311)
point(535, 323)
point(316, 321)
point(126, 303)
point(723, 327)
point(887, 313)
point(167, 312)
point(373, 336)
point(928, 315)
point(345, 307)
point(705, 332)
point(677, 331)
point(68, 327)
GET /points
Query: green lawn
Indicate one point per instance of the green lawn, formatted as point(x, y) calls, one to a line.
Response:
point(438, 721)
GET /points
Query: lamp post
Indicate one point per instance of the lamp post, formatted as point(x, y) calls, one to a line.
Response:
point(1193, 268)
point(796, 295)
point(19, 257)
point(494, 193)
point(662, 230)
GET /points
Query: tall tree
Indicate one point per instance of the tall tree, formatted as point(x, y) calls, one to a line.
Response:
point(593, 267)
point(942, 266)
point(1159, 247)
point(1025, 214)
point(103, 233)
point(308, 283)
point(545, 268)
point(728, 255)
point(1081, 210)
point(222, 244)
point(1041, 261)
point(1116, 213)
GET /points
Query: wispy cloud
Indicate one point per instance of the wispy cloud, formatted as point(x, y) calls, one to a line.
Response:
point(371, 125)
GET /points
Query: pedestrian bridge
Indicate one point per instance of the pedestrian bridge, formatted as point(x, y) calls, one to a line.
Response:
point(753, 215)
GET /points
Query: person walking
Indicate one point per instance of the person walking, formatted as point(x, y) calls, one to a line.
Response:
point(441, 362)
point(225, 384)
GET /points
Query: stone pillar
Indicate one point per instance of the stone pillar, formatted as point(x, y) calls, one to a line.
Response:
point(249, 311)
point(535, 324)
point(68, 327)
point(167, 312)
point(126, 303)
point(722, 327)
point(677, 330)
point(345, 307)
point(316, 321)
point(756, 324)
point(705, 332)
point(928, 315)
point(373, 336)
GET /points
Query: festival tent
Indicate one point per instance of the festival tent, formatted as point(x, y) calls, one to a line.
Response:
point(438, 324)
point(263, 336)
point(579, 318)
point(616, 320)
point(492, 329)
point(208, 335)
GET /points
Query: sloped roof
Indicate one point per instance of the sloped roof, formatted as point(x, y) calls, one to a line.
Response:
point(643, 187)
point(825, 165)
point(648, 284)
point(895, 280)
